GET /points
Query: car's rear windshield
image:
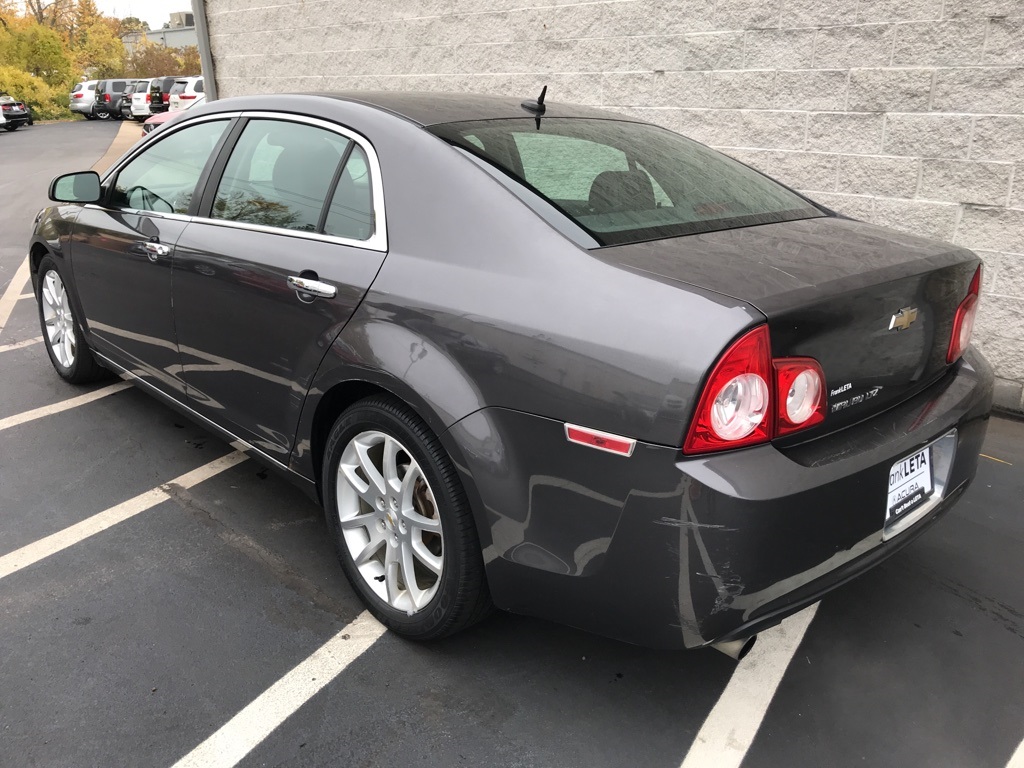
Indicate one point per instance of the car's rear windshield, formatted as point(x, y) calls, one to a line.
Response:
point(625, 182)
point(179, 87)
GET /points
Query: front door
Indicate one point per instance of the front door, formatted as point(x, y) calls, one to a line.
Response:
point(122, 253)
point(264, 285)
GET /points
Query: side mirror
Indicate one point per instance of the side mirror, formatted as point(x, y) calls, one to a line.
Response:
point(83, 187)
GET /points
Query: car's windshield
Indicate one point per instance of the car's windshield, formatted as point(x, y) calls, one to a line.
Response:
point(625, 182)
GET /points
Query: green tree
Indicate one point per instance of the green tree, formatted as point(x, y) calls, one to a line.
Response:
point(133, 24)
point(45, 56)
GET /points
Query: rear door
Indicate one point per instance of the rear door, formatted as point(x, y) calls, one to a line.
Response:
point(122, 252)
point(296, 200)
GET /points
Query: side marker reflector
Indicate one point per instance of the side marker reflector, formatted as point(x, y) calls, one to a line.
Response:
point(603, 441)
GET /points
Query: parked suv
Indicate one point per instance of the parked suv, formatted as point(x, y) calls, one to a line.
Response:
point(160, 94)
point(82, 99)
point(186, 92)
point(141, 99)
point(108, 98)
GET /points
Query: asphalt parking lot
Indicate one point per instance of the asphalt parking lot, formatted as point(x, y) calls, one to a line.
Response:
point(166, 601)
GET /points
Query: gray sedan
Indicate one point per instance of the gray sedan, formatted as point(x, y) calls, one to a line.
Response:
point(529, 355)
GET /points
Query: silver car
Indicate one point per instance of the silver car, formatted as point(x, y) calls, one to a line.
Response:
point(82, 99)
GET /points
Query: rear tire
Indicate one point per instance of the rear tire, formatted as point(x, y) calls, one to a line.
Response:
point(62, 335)
point(403, 530)
point(11, 127)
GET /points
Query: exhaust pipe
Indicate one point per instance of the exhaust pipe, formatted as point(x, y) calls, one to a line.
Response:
point(736, 649)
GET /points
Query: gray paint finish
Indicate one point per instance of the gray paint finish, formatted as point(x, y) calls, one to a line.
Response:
point(497, 329)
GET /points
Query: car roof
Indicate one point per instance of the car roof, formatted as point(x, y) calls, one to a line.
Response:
point(428, 108)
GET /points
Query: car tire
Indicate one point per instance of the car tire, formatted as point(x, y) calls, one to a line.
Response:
point(12, 127)
point(73, 361)
point(88, 116)
point(425, 489)
point(102, 115)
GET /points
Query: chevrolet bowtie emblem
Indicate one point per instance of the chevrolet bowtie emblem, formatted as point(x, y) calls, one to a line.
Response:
point(902, 319)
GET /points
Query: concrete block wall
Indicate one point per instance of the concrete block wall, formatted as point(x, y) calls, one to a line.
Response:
point(906, 113)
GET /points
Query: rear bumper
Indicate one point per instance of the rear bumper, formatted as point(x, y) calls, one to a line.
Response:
point(674, 552)
point(82, 107)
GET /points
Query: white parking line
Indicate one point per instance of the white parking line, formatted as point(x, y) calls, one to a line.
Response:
point(1017, 761)
point(20, 344)
point(244, 732)
point(63, 405)
point(37, 550)
point(13, 293)
point(730, 727)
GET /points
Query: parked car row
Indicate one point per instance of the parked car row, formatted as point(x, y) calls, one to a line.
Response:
point(123, 99)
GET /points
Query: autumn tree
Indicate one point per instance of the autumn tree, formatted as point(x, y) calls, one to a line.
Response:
point(152, 60)
point(190, 61)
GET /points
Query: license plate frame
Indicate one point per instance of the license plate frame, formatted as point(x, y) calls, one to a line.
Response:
point(911, 485)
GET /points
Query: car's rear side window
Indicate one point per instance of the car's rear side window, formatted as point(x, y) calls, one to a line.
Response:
point(198, 88)
point(350, 213)
point(625, 182)
point(279, 175)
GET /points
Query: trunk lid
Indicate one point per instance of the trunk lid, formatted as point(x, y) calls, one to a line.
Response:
point(873, 306)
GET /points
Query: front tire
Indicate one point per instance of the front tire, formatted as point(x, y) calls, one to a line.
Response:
point(400, 521)
point(65, 343)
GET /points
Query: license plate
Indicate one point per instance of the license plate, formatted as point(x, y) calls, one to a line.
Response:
point(910, 485)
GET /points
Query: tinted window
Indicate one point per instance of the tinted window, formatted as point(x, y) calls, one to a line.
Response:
point(626, 182)
point(279, 174)
point(116, 86)
point(163, 178)
point(199, 86)
point(179, 87)
point(77, 88)
point(351, 210)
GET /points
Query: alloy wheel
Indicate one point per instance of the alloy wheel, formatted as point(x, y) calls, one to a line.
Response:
point(389, 521)
point(60, 324)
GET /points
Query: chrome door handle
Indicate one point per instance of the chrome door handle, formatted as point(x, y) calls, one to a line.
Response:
point(312, 287)
point(156, 250)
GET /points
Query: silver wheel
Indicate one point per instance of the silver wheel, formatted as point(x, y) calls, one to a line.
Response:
point(389, 521)
point(58, 320)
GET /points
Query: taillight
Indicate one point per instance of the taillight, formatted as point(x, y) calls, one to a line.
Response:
point(963, 323)
point(184, 96)
point(736, 407)
point(106, 97)
point(149, 98)
point(800, 384)
point(77, 95)
point(167, 97)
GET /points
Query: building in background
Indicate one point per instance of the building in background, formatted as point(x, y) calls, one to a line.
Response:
point(907, 114)
point(179, 32)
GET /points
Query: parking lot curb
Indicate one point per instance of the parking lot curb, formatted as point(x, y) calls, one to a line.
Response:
point(126, 137)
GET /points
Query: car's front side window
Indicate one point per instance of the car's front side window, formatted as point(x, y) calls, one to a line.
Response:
point(279, 175)
point(163, 177)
